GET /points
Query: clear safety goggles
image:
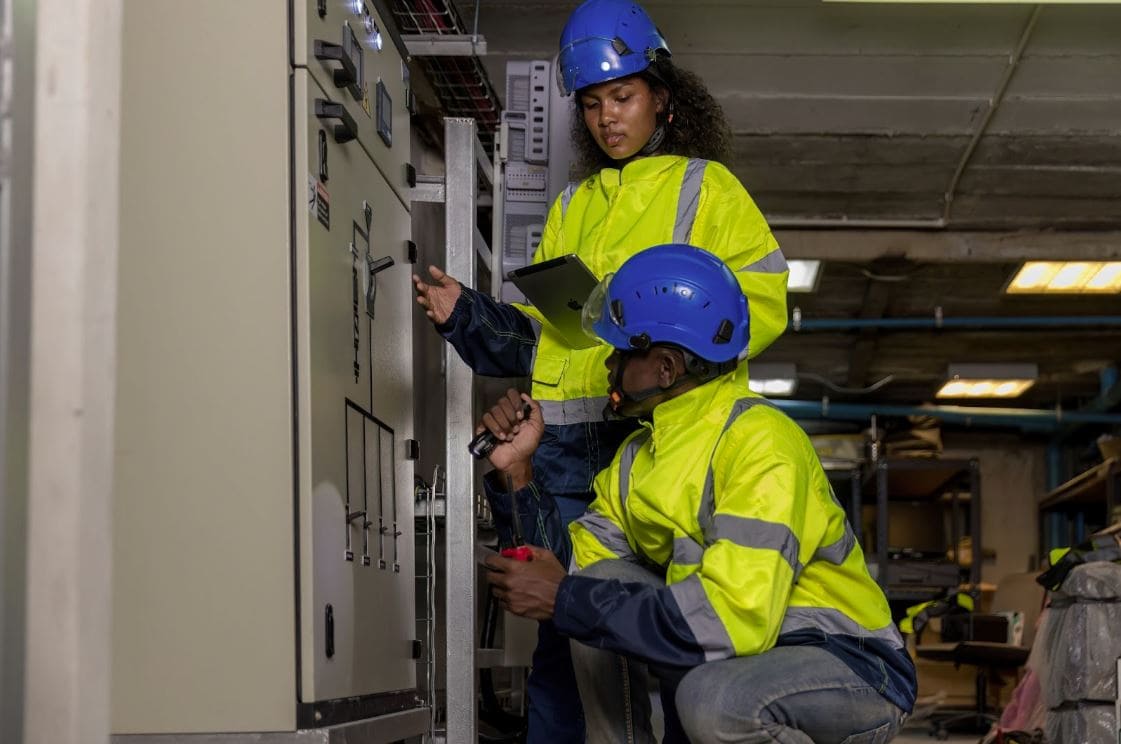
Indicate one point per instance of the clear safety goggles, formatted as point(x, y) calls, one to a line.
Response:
point(592, 312)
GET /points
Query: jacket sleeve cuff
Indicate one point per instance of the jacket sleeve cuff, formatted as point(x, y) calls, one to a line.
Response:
point(573, 609)
point(527, 499)
point(460, 310)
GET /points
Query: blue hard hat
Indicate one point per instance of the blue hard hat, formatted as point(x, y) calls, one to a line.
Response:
point(604, 40)
point(672, 294)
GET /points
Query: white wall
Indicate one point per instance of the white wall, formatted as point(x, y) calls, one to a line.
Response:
point(1013, 476)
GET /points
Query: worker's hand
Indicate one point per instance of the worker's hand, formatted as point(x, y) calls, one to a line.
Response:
point(518, 435)
point(527, 588)
point(438, 298)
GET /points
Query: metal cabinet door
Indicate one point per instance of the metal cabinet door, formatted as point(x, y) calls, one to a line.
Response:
point(371, 82)
point(354, 402)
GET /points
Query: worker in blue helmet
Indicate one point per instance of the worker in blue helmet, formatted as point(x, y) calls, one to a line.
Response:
point(650, 140)
point(714, 556)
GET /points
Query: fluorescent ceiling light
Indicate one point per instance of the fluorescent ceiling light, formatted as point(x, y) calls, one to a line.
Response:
point(1067, 277)
point(804, 275)
point(988, 380)
point(772, 380)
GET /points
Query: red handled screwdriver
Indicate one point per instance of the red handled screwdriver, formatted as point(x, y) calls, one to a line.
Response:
point(520, 551)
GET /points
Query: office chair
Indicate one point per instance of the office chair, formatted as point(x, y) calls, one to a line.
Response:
point(975, 646)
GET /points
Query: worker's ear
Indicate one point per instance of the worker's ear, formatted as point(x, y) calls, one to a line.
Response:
point(661, 98)
point(671, 366)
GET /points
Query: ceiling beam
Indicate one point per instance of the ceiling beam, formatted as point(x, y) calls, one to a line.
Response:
point(994, 104)
point(925, 246)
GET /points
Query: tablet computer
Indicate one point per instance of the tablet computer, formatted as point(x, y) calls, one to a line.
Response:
point(559, 288)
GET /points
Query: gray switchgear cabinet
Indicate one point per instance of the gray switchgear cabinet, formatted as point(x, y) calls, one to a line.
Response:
point(263, 519)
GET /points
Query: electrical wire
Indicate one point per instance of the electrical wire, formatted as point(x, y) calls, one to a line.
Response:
point(885, 277)
point(845, 390)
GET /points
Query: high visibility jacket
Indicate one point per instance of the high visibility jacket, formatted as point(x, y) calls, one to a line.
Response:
point(605, 219)
point(726, 495)
point(613, 215)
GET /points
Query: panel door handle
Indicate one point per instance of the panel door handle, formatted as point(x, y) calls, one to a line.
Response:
point(346, 129)
point(374, 267)
point(328, 52)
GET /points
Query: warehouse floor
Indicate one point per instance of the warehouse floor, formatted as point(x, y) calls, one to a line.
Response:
point(919, 735)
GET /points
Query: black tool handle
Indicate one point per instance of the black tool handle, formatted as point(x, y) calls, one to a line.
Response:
point(485, 441)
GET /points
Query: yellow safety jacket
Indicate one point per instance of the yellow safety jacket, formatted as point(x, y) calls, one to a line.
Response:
point(614, 214)
point(725, 494)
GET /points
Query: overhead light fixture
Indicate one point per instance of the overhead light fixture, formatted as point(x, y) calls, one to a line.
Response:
point(1066, 277)
point(772, 379)
point(804, 275)
point(988, 380)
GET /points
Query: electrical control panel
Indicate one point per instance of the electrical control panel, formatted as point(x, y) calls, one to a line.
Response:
point(354, 382)
point(264, 576)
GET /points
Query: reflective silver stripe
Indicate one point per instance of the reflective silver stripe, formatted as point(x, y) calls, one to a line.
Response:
point(835, 622)
point(566, 197)
point(748, 532)
point(535, 324)
point(708, 497)
point(574, 411)
point(839, 551)
point(702, 620)
point(686, 551)
point(689, 199)
point(772, 263)
point(626, 462)
point(607, 533)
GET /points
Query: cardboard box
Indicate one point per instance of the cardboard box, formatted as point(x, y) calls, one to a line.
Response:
point(846, 447)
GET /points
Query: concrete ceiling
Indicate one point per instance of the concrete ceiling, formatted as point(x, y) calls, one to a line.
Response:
point(936, 144)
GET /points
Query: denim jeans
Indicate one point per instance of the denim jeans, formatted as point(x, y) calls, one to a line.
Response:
point(789, 694)
point(555, 715)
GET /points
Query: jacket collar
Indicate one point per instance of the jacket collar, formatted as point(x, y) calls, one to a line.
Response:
point(642, 169)
point(708, 403)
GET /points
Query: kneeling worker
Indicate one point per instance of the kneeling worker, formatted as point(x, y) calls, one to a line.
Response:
point(715, 553)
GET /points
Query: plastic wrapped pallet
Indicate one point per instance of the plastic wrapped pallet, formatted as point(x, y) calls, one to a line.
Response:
point(1086, 723)
point(1082, 638)
point(1079, 645)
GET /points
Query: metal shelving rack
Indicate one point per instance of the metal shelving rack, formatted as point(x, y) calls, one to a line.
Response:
point(1090, 497)
point(846, 478)
point(914, 479)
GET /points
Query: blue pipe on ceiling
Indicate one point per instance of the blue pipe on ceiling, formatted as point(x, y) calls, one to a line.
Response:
point(1025, 418)
point(1039, 321)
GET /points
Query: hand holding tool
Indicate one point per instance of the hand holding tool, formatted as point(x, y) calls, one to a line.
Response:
point(485, 441)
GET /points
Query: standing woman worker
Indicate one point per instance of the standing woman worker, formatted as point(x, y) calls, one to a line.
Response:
point(650, 137)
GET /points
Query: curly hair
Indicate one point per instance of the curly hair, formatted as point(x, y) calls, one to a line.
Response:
point(699, 128)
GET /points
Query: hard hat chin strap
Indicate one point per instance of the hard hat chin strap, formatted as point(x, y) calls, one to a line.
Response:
point(655, 141)
point(658, 137)
point(696, 369)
